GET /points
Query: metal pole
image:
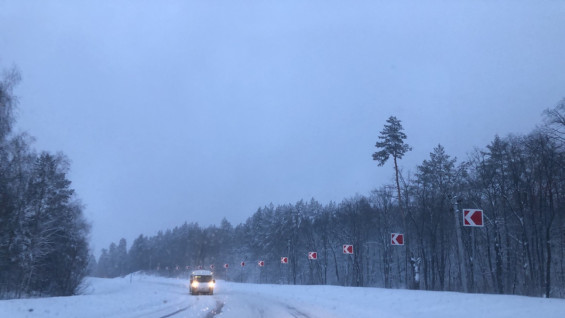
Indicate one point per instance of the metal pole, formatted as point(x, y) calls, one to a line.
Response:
point(473, 287)
point(288, 271)
point(462, 267)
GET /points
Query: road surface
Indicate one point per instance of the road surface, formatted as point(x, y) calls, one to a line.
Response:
point(142, 296)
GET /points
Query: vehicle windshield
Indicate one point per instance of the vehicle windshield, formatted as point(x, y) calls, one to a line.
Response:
point(202, 278)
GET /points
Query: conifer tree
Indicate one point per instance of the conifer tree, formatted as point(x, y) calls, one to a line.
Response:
point(391, 143)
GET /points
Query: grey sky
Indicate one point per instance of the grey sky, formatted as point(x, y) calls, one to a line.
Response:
point(175, 111)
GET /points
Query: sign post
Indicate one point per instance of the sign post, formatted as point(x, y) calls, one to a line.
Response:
point(473, 218)
point(242, 267)
point(261, 264)
point(462, 266)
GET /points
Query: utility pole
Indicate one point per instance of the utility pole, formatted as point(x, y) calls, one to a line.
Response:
point(288, 271)
point(462, 267)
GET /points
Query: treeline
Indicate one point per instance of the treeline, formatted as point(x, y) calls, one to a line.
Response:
point(519, 182)
point(43, 234)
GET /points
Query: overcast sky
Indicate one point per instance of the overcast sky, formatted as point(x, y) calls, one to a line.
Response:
point(174, 111)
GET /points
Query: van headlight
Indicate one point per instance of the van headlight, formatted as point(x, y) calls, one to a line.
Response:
point(194, 284)
point(211, 284)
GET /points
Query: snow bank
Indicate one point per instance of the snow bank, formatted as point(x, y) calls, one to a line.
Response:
point(335, 301)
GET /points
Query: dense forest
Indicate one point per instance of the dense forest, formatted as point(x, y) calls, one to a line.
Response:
point(43, 234)
point(518, 181)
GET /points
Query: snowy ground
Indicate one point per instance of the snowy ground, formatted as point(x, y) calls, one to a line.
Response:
point(154, 297)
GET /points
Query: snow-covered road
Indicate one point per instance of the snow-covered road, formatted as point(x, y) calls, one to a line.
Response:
point(143, 296)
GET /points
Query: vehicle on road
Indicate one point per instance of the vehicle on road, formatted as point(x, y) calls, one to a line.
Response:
point(202, 282)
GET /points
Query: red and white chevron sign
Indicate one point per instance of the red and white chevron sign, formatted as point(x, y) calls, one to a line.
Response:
point(347, 249)
point(396, 239)
point(312, 255)
point(261, 263)
point(284, 260)
point(472, 217)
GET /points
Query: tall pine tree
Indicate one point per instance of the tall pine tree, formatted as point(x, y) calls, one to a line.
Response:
point(391, 144)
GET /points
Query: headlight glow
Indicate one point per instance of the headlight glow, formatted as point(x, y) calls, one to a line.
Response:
point(211, 284)
point(194, 284)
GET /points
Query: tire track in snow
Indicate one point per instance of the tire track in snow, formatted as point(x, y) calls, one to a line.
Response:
point(216, 311)
point(211, 314)
point(295, 312)
point(245, 304)
point(176, 312)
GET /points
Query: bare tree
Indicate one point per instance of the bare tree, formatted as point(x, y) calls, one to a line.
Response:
point(555, 121)
point(8, 100)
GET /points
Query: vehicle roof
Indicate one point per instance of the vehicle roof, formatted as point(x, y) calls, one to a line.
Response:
point(202, 272)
